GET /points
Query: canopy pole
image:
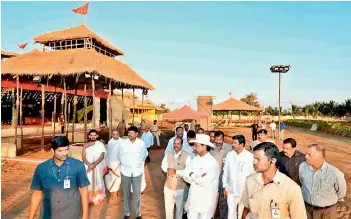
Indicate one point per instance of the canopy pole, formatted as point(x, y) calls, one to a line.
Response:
point(69, 116)
point(142, 105)
point(42, 115)
point(74, 110)
point(133, 105)
point(17, 107)
point(85, 113)
point(13, 107)
point(123, 128)
point(21, 115)
point(65, 111)
point(110, 106)
point(55, 112)
point(93, 101)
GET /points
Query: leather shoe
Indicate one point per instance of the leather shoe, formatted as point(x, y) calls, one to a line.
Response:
point(139, 217)
point(126, 217)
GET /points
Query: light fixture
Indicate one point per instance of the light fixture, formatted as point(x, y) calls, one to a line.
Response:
point(96, 77)
point(87, 75)
point(36, 78)
point(280, 68)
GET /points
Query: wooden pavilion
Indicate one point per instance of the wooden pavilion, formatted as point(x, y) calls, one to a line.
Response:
point(75, 60)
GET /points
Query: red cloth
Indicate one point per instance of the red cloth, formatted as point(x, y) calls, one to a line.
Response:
point(83, 10)
point(184, 113)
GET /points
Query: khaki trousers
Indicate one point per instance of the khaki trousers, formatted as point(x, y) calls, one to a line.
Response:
point(329, 213)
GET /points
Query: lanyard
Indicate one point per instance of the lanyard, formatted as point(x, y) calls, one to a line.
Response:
point(58, 180)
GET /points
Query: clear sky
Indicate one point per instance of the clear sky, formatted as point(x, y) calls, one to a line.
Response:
point(187, 49)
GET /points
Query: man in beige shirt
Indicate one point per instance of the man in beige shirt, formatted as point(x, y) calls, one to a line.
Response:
point(155, 132)
point(268, 193)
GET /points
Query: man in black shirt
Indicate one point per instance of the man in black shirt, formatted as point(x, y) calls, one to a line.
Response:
point(290, 160)
point(254, 131)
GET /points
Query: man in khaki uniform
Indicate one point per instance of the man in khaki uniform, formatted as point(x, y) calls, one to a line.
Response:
point(268, 193)
point(173, 164)
point(155, 132)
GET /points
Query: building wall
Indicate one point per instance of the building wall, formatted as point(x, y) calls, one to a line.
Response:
point(204, 105)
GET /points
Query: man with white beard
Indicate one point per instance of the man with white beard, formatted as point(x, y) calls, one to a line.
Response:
point(113, 178)
point(238, 165)
point(202, 173)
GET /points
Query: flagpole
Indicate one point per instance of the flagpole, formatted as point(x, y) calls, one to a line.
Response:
point(85, 19)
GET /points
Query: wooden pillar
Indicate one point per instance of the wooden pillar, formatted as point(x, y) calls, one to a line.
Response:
point(93, 101)
point(13, 107)
point(142, 105)
point(65, 110)
point(42, 115)
point(122, 108)
point(133, 105)
point(17, 107)
point(85, 113)
point(69, 116)
point(55, 112)
point(74, 110)
point(21, 115)
point(110, 107)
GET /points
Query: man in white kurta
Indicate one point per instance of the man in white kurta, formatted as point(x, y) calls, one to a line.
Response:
point(202, 173)
point(113, 177)
point(93, 155)
point(174, 164)
point(238, 165)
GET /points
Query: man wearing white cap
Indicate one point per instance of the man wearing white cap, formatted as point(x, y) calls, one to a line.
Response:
point(202, 173)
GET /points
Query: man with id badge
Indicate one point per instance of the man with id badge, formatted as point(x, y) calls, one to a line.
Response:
point(269, 193)
point(60, 185)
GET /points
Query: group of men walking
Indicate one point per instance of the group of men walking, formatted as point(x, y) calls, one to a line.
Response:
point(205, 177)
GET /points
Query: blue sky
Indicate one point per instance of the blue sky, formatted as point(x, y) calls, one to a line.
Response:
point(187, 49)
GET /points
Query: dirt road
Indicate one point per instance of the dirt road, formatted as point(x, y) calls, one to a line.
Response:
point(16, 178)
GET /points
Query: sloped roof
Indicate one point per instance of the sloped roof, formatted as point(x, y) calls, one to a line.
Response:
point(234, 105)
point(6, 54)
point(77, 32)
point(73, 61)
point(138, 104)
point(126, 94)
point(184, 113)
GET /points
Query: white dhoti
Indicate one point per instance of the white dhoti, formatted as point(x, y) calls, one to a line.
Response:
point(235, 208)
point(113, 178)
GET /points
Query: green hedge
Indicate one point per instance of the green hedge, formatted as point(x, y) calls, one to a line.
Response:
point(339, 128)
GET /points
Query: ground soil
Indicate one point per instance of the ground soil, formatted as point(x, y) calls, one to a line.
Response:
point(17, 175)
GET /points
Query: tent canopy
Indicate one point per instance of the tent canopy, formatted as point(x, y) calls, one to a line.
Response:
point(184, 113)
point(234, 105)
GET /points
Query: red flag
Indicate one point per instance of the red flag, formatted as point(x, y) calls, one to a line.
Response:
point(22, 46)
point(83, 10)
point(230, 93)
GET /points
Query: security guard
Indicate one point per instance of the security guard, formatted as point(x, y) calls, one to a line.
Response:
point(268, 193)
point(61, 185)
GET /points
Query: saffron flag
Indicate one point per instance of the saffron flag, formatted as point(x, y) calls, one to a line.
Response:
point(23, 45)
point(230, 93)
point(83, 10)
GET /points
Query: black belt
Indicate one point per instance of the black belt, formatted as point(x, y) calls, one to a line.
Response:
point(317, 207)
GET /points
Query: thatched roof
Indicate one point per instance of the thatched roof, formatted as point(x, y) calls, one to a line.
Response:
point(234, 105)
point(6, 54)
point(126, 94)
point(138, 104)
point(73, 62)
point(77, 32)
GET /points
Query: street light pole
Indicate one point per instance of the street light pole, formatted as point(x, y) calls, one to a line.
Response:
point(279, 107)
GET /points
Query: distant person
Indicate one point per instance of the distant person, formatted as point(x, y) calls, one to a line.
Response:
point(262, 137)
point(263, 125)
point(200, 131)
point(156, 132)
point(132, 155)
point(93, 156)
point(290, 160)
point(212, 136)
point(179, 134)
point(282, 129)
point(273, 127)
point(148, 139)
point(323, 185)
point(186, 127)
point(60, 185)
point(254, 129)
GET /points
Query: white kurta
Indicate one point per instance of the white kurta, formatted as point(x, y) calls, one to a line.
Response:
point(203, 189)
point(96, 176)
point(236, 168)
point(112, 181)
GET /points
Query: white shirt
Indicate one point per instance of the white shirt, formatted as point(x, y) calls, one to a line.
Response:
point(273, 126)
point(132, 156)
point(112, 152)
point(164, 165)
point(236, 168)
point(203, 189)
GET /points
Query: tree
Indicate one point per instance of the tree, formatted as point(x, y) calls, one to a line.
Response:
point(165, 108)
point(251, 99)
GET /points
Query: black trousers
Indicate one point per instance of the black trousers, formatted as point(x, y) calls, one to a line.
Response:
point(148, 155)
point(222, 205)
point(62, 129)
point(254, 136)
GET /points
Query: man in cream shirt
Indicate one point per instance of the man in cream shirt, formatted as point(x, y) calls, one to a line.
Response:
point(174, 164)
point(202, 173)
point(237, 167)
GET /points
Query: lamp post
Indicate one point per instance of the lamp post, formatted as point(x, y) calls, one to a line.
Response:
point(279, 69)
